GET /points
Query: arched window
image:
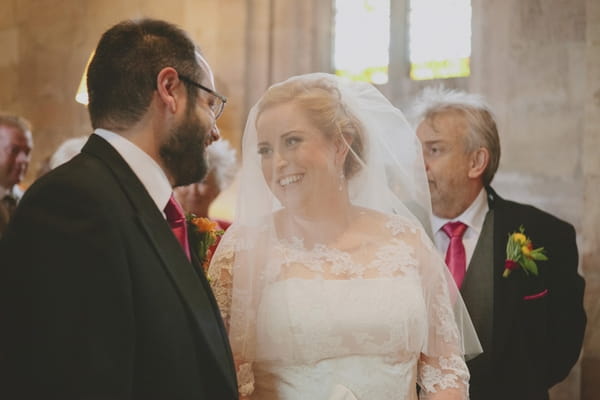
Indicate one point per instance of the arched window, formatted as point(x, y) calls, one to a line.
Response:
point(362, 40)
point(438, 33)
point(439, 38)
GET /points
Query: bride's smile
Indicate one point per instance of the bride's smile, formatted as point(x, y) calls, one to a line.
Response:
point(298, 160)
point(290, 179)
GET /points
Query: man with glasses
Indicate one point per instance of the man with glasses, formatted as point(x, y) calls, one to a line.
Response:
point(101, 294)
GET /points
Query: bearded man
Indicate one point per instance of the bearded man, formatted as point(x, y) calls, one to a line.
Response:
point(101, 297)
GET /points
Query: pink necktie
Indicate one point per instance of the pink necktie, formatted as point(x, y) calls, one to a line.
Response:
point(176, 219)
point(456, 258)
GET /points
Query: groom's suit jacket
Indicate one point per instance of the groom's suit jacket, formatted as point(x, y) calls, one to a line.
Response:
point(531, 327)
point(97, 298)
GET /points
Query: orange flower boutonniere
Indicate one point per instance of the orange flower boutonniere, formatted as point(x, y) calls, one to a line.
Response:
point(205, 233)
point(520, 252)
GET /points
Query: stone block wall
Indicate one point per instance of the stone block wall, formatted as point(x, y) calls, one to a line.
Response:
point(536, 61)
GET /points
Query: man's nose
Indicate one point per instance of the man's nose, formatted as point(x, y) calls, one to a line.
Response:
point(214, 134)
point(23, 157)
point(425, 162)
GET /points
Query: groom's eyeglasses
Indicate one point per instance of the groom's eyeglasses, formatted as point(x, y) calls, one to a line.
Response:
point(218, 105)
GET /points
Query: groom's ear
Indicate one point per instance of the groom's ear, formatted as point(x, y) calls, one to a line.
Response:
point(170, 88)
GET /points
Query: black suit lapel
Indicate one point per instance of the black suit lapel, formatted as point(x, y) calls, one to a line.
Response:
point(194, 292)
point(506, 290)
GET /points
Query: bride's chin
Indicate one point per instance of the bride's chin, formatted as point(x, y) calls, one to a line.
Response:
point(292, 202)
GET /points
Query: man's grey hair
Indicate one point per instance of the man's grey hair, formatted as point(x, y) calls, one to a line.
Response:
point(67, 150)
point(222, 161)
point(483, 132)
point(15, 121)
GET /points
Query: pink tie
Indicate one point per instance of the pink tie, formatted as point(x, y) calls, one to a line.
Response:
point(176, 219)
point(456, 258)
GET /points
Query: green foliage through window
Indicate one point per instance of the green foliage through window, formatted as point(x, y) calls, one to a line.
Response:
point(362, 40)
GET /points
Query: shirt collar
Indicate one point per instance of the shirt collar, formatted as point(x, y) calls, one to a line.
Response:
point(473, 216)
point(145, 168)
point(15, 191)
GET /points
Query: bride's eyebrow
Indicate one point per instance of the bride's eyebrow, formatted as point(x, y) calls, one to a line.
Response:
point(291, 132)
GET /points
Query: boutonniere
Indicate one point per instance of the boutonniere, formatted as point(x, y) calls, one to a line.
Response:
point(204, 234)
point(520, 252)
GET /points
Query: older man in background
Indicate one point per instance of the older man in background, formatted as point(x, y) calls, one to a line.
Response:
point(530, 323)
point(16, 143)
point(101, 292)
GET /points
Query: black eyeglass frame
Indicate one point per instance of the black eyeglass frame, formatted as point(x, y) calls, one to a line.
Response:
point(213, 92)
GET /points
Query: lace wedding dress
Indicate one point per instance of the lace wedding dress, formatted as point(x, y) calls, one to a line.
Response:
point(367, 317)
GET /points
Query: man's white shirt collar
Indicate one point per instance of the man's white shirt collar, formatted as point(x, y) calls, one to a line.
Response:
point(3, 192)
point(145, 168)
point(473, 216)
point(16, 192)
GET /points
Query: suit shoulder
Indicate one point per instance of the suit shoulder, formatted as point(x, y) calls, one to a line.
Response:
point(528, 213)
point(83, 178)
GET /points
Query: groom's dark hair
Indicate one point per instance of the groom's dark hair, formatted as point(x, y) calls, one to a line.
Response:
point(121, 77)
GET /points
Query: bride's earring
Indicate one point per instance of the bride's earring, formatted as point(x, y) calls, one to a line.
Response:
point(342, 180)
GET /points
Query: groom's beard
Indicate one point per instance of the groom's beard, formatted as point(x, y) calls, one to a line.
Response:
point(184, 152)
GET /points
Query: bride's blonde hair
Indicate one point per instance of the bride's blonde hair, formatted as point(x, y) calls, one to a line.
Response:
point(322, 103)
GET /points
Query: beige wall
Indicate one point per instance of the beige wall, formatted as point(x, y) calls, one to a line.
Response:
point(536, 61)
point(540, 69)
point(590, 227)
point(45, 45)
point(538, 64)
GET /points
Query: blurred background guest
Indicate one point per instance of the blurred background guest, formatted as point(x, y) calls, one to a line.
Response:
point(16, 143)
point(67, 150)
point(198, 197)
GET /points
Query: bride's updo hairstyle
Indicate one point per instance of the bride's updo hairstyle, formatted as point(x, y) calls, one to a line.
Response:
point(322, 103)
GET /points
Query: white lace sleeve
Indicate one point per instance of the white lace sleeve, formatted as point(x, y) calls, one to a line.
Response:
point(221, 280)
point(442, 371)
point(220, 277)
point(443, 377)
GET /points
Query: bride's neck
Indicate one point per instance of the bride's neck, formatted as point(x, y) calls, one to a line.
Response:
point(324, 224)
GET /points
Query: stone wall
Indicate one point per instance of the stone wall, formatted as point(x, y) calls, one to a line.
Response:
point(46, 44)
point(590, 230)
point(536, 61)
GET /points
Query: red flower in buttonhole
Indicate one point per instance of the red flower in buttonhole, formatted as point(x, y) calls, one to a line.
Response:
point(510, 265)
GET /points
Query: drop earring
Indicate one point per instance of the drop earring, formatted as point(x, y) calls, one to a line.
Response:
point(342, 180)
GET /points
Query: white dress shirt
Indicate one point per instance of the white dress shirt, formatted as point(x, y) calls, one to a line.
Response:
point(473, 217)
point(145, 168)
point(15, 192)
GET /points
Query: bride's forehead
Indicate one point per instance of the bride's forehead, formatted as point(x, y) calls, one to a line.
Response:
point(281, 119)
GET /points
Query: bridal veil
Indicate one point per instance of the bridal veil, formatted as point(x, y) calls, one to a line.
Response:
point(303, 226)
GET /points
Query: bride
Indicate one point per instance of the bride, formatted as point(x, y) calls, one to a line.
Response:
point(327, 281)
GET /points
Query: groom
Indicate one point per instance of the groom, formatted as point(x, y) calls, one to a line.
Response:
point(530, 327)
point(100, 295)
